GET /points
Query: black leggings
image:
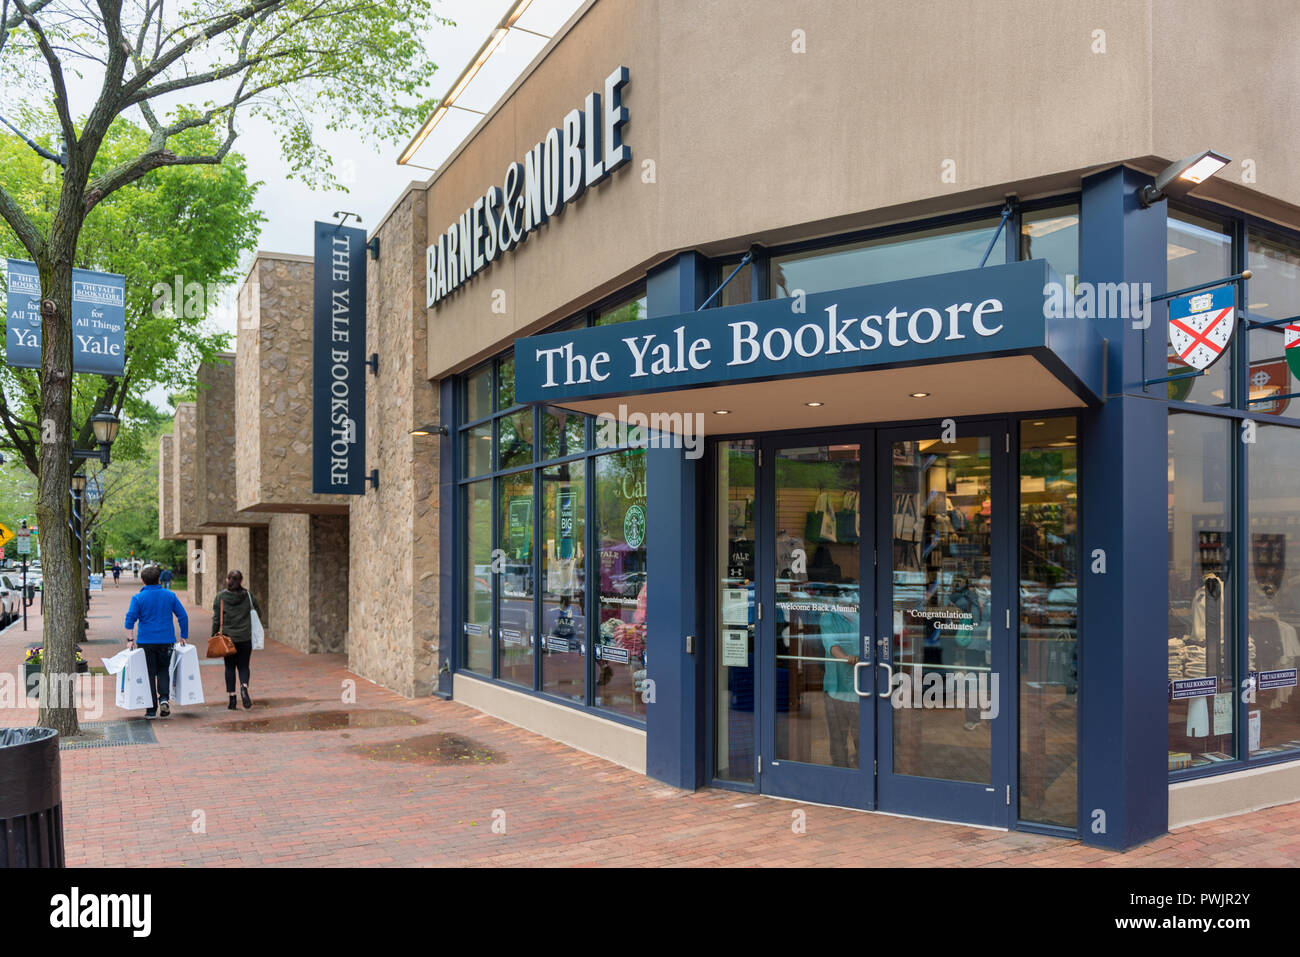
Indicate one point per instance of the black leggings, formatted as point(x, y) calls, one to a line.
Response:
point(243, 652)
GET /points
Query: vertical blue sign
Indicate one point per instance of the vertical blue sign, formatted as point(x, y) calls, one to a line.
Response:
point(338, 361)
point(98, 320)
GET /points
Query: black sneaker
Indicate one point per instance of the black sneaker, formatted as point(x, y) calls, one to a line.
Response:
point(151, 714)
point(164, 709)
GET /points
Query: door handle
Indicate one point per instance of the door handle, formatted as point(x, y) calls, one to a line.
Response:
point(857, 687)
point(889, 672)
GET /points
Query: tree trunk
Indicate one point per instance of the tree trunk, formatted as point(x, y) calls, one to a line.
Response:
point(62, 585)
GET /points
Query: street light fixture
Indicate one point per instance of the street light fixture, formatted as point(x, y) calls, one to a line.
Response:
point(1182, 177)
point(105, 426)
point(78, 482)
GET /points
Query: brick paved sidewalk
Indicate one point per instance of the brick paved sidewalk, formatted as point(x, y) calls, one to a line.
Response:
point(320, 797)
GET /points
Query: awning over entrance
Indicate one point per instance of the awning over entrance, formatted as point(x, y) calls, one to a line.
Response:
point(973, 342)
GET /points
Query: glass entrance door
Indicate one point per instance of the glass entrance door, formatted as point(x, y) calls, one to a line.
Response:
point(943, 623)
point(815, 595)
point(864, 602)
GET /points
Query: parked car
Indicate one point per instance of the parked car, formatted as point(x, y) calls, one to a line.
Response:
point(10, 601)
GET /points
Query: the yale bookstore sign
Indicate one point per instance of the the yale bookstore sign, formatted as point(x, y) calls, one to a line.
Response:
point(976, 313)
point(580, 153)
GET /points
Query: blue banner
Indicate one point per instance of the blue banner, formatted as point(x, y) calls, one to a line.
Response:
point(339, 361)
point(98, 320)
point(995, 311)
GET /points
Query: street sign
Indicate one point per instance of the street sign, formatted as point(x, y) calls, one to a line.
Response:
point(24, 541)
point(6, 536)
point(96, 582)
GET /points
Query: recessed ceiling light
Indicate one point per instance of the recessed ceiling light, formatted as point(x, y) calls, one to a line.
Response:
point(1039, 423)
point(919, 395)
point(722, 412)
point(1071, 436)
point(814, 405)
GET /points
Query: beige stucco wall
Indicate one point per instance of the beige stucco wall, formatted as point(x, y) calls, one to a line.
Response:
point(393, 580)
point(752, 141)
point(185, 472)
point(273, 399)
point(217, 423)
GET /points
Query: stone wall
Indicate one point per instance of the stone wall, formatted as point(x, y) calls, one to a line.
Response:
point(213, 564)
point(185, 471)
point(246, 549)
point(273, 401)
point(166, 491)
point(394, 565)
point(193, 571)
point(215, 414)
point(328, 592)
point(289, 571)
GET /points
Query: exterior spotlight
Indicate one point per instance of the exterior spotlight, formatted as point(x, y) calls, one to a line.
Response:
point(814, 405)
point(1182, 177)
point(428, 430)
point(919, 395)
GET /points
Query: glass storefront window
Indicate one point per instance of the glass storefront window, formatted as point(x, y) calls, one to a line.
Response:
point(515, 631)
point(515, 439)
point(1052, 234)
point(506, 382)
point(736, 528)
point(1273, 610)
point(1202, 639)
point(1274, 294)
point(627, 312)
point(621, 530)
point(1049, 621)
point(478, 394)
point(477, 450)
point(564, 615)
point(1197, 250)
point(563, 433)
point(925, 252)
point(737, 292)
point(477, 625)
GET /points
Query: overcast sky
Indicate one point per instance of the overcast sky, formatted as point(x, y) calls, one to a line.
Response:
point(373, 177)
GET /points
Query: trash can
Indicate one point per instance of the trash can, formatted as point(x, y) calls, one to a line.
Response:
point(31, 798)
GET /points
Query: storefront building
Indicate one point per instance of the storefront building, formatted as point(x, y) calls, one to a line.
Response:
point(792, 414)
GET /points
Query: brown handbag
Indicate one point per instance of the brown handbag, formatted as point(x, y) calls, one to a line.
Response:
point(219, 645)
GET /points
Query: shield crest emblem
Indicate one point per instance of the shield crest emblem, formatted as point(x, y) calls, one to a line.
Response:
point(1291, 340)
point(1269, 379)
point(1201, 326)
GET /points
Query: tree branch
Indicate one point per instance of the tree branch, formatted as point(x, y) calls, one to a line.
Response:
point(56, 77)
point(22, 226)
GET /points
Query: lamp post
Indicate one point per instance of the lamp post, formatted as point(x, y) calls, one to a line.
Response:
point(78, 500)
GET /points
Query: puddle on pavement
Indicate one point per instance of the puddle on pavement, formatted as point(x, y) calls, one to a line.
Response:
point(322, 721)
point(439, 748)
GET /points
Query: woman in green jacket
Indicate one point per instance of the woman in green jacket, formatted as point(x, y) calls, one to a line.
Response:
point(234, 604)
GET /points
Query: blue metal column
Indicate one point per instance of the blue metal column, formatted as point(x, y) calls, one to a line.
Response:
point(675, 721)
point(1124, 593)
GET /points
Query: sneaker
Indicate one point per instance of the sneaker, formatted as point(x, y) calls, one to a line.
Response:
point(164, 709)
point(151, 714)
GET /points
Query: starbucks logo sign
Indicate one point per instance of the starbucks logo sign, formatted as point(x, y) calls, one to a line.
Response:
point(634, 526)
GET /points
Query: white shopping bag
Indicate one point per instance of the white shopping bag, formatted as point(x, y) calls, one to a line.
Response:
point(133, 682)
point(259, 635)
point(187, 686)
point(117, 662)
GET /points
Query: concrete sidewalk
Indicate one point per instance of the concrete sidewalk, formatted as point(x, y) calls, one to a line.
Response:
point(393, 781)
